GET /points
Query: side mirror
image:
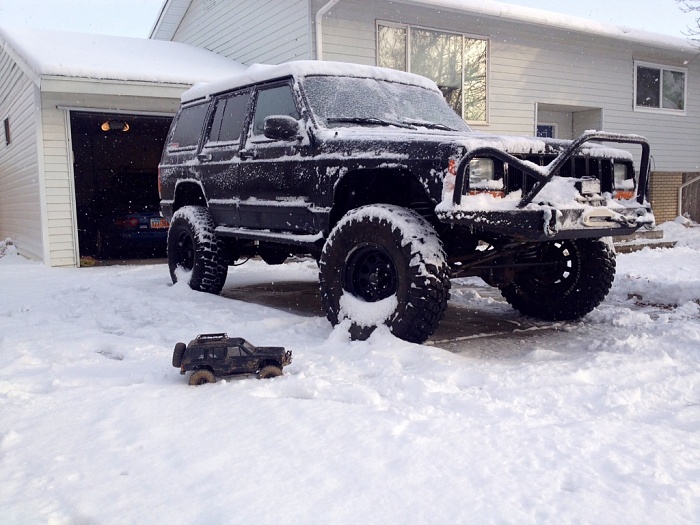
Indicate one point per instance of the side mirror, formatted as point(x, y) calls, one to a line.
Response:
point(281, 127)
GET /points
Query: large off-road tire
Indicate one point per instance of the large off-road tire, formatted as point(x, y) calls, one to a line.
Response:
point(178, 352)
point(577, 281)
point(387, 255)
point(269, 371)
point(195, 250)
point(200, 377)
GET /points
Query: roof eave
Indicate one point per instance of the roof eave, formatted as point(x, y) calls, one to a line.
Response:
point(541, 18)
point(172, 11)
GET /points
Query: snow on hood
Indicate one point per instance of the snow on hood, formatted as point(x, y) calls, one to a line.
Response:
point(535, 145)
point(81, 55)
point(262, 72)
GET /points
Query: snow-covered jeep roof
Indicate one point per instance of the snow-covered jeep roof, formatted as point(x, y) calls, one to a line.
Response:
point(262, 72)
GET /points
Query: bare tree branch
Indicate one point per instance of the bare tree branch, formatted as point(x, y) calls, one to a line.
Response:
point(689, 6)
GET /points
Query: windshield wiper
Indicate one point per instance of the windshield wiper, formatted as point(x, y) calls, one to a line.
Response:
point(369, 120)
point(426, 124)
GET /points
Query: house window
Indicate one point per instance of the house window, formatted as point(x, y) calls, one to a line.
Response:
point(546, 131)
point(6, 125)
point(659, 87)
point(456, 62)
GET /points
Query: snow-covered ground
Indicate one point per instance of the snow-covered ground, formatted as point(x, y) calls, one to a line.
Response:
point(596, 421)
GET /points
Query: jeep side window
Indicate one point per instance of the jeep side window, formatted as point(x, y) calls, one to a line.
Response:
point(234, 351)
point(274, 101)
point(217, 352)
point(188, 127)
point(229, 117)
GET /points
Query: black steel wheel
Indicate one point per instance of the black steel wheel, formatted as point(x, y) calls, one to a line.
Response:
point(568, 279)
point(195, 251)
point(370, 273)
point(381, 251)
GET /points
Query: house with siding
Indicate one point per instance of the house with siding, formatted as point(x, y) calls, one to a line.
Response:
point(506, 69)
point(59, 92)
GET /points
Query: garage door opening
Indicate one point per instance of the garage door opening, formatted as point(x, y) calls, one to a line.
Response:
point(115, 164)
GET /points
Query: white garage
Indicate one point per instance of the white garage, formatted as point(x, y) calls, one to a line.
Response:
point(80, 112)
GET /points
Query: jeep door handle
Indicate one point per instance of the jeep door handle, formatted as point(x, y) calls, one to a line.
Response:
point(246, 154)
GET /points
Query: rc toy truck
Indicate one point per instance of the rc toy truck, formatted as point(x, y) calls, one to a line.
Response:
point(370, 171)
point(211, 355)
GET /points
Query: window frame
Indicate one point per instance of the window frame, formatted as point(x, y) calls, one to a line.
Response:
point(661, 69)
point(211, 120)
point(409, 27)
point(260, 138)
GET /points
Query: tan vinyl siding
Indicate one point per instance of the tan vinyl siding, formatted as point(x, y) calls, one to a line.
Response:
point(20, 205)
point(60, 214)
point(248, 31)
point(530, 65)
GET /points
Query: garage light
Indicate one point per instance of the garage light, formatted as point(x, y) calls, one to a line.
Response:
point(115, 125)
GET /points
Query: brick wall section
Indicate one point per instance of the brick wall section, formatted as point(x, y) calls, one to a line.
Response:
point(663, 194)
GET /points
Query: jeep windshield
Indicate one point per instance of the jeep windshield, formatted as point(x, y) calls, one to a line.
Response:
point(349, 101)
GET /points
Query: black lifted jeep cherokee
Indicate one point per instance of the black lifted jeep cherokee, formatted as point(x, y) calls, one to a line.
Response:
point(372, 173)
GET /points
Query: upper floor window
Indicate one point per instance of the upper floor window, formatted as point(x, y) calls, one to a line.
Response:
point(659, 87)
point(456, 62)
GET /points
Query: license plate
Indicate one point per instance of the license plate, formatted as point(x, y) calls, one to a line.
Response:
point(159, 223)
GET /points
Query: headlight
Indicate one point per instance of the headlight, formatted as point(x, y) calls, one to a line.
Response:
point(621, 180)
point(481, 175)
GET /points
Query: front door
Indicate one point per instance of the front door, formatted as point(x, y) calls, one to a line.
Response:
point(275, 175)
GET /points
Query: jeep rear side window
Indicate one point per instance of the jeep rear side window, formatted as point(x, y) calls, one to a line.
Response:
point(274, 101)
point(229, 117)
point(188, 127)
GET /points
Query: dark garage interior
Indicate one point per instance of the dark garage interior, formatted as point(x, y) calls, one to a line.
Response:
point(116, 184)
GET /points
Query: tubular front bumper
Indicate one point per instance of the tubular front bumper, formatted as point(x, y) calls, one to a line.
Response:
point(544, 222)
point(547, 223)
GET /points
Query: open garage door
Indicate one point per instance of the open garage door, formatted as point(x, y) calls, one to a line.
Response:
point(115, 164)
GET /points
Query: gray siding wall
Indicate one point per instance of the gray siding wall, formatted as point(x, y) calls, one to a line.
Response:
point(20, 191)
point(249, 31)
point(530, 65)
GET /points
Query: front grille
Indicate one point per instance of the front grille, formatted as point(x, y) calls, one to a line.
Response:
point(576, 167)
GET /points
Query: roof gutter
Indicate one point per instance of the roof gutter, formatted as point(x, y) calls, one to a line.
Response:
point(319, 27)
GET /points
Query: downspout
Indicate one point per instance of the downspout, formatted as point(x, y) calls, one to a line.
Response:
point(319, 27)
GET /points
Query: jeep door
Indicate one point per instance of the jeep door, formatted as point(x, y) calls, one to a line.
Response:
point(276, 175)
point(219, 156)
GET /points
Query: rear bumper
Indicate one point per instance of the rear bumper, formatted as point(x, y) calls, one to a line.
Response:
point(546, 223)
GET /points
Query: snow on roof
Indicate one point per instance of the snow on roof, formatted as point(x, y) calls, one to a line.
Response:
point(263, 72)
point(174, 11)
point(559, 21)
point(80, 55)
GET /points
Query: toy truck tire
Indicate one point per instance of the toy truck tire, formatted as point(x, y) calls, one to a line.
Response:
point(178, 352)
point(269, 371)
point(200, 377)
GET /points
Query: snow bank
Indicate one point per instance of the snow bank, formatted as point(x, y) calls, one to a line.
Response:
point(594, 421)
